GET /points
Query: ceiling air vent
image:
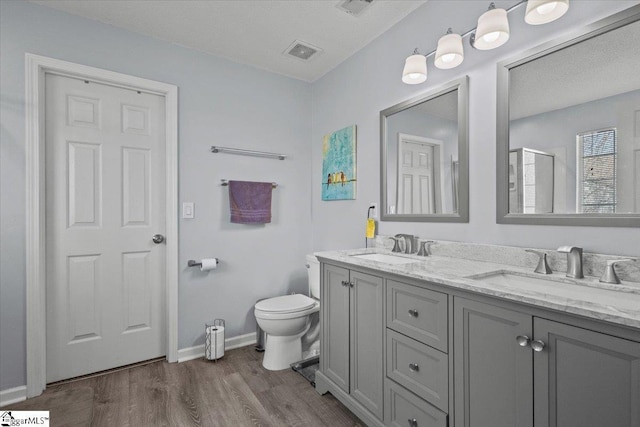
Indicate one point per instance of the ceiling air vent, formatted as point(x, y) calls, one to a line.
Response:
point(302, 50)
point(354, 7)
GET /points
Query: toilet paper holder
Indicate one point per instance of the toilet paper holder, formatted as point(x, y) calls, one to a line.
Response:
point(194, 263)
point(214, 342)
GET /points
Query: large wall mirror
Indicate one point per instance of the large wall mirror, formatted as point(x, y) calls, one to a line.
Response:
point(568, 149)
point(424, 157)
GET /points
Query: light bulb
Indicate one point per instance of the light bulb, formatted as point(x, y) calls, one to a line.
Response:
point(448, 57)
point(544, 11)
point(449, 53)
point(415, 69)
point(491, 37)
point(547, 8)
point(492, 30)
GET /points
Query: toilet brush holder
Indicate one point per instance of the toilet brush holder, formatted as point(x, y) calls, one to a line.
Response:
point(214, 340)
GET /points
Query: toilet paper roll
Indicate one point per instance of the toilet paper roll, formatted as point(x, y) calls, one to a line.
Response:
point(209, 264)
point(215, 338)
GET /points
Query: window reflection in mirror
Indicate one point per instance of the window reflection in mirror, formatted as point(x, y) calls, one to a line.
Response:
point(580, 106)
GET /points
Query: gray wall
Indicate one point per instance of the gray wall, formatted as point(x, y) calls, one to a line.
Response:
point(356, 91)
point(220, 103)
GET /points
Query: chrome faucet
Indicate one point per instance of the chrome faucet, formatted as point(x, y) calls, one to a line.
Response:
point(424, 247)
point(409, 242)
point(543, 267)
point(574, 261)
point(609, 275)
point(396, 245)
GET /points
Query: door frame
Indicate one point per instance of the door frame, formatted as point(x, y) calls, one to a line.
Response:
point(36, 67)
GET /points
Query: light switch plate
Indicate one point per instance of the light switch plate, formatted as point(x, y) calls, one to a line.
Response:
point(188, 210)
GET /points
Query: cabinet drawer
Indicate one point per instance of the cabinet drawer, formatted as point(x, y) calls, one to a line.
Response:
point(418, 367)
point(403, 407)
point(419, 313)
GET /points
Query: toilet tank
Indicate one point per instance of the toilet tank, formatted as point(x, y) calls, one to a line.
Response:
point(313, 272)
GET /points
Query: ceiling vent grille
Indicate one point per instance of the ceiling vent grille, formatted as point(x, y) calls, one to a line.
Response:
point(302, 50)
point(354, 7)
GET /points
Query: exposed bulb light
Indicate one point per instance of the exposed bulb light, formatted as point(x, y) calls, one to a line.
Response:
point(492, 30)
point(415, 69)
point(449, 53)
point(545, 11)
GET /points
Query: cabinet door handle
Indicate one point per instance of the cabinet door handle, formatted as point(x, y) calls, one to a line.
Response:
point(413, 313)
point(413, 422)
point(345, 283)
point(523, 340)
point(350, 284)
point(413, 367)
point(537, 345)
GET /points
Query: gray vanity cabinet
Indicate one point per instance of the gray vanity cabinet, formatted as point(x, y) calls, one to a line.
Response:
point(352, 350)
point(578, 377)
point(494, 381)
point(585, 378)
point(335, 310)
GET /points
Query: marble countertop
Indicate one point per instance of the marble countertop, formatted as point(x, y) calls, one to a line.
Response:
point(587, 297)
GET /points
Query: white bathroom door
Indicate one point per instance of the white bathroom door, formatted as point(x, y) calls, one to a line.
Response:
point(105, 200)
point(416, 186)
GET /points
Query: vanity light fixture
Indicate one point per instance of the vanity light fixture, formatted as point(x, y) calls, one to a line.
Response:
point(415, 69)
point(449, 53)
point(545, 11)
point(492, 31)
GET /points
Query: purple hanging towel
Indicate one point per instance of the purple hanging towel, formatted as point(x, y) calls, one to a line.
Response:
point(250, 202)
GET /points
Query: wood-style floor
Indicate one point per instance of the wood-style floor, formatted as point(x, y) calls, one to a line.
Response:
point(234, 391)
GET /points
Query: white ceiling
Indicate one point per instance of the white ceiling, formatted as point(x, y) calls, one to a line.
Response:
point(253, 32)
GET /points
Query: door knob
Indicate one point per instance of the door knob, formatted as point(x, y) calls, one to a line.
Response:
point(523, 340)
point(158, 238)
point(537, 345)
point(413, 367)
point(413, 312)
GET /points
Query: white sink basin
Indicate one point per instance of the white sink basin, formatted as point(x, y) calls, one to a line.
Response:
point(385, 258)
point(564, 288)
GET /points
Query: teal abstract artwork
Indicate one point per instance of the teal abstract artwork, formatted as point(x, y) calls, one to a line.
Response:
point(339, 165)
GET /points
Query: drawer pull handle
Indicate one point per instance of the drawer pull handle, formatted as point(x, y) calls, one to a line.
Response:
point(413, 367)
point(523, 340)
point(413, 312)
point(537, 345)
point(413, 422)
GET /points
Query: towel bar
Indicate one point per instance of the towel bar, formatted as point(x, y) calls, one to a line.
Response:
point(218, 149)
point(224, 183)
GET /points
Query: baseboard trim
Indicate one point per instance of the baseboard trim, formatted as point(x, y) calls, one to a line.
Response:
point(13, 395)
point(197, 351)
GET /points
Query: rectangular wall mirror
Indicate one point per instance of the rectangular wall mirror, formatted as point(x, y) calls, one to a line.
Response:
point(424, 157)
point(568, 148)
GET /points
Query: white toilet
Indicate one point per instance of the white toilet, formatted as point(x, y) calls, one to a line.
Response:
point(285, 320)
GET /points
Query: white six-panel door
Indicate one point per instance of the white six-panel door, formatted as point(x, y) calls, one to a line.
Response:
point(416, 192)
point(105, 186)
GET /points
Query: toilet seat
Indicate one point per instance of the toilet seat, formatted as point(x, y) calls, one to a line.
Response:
point(286, 307)
point(285, 304)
